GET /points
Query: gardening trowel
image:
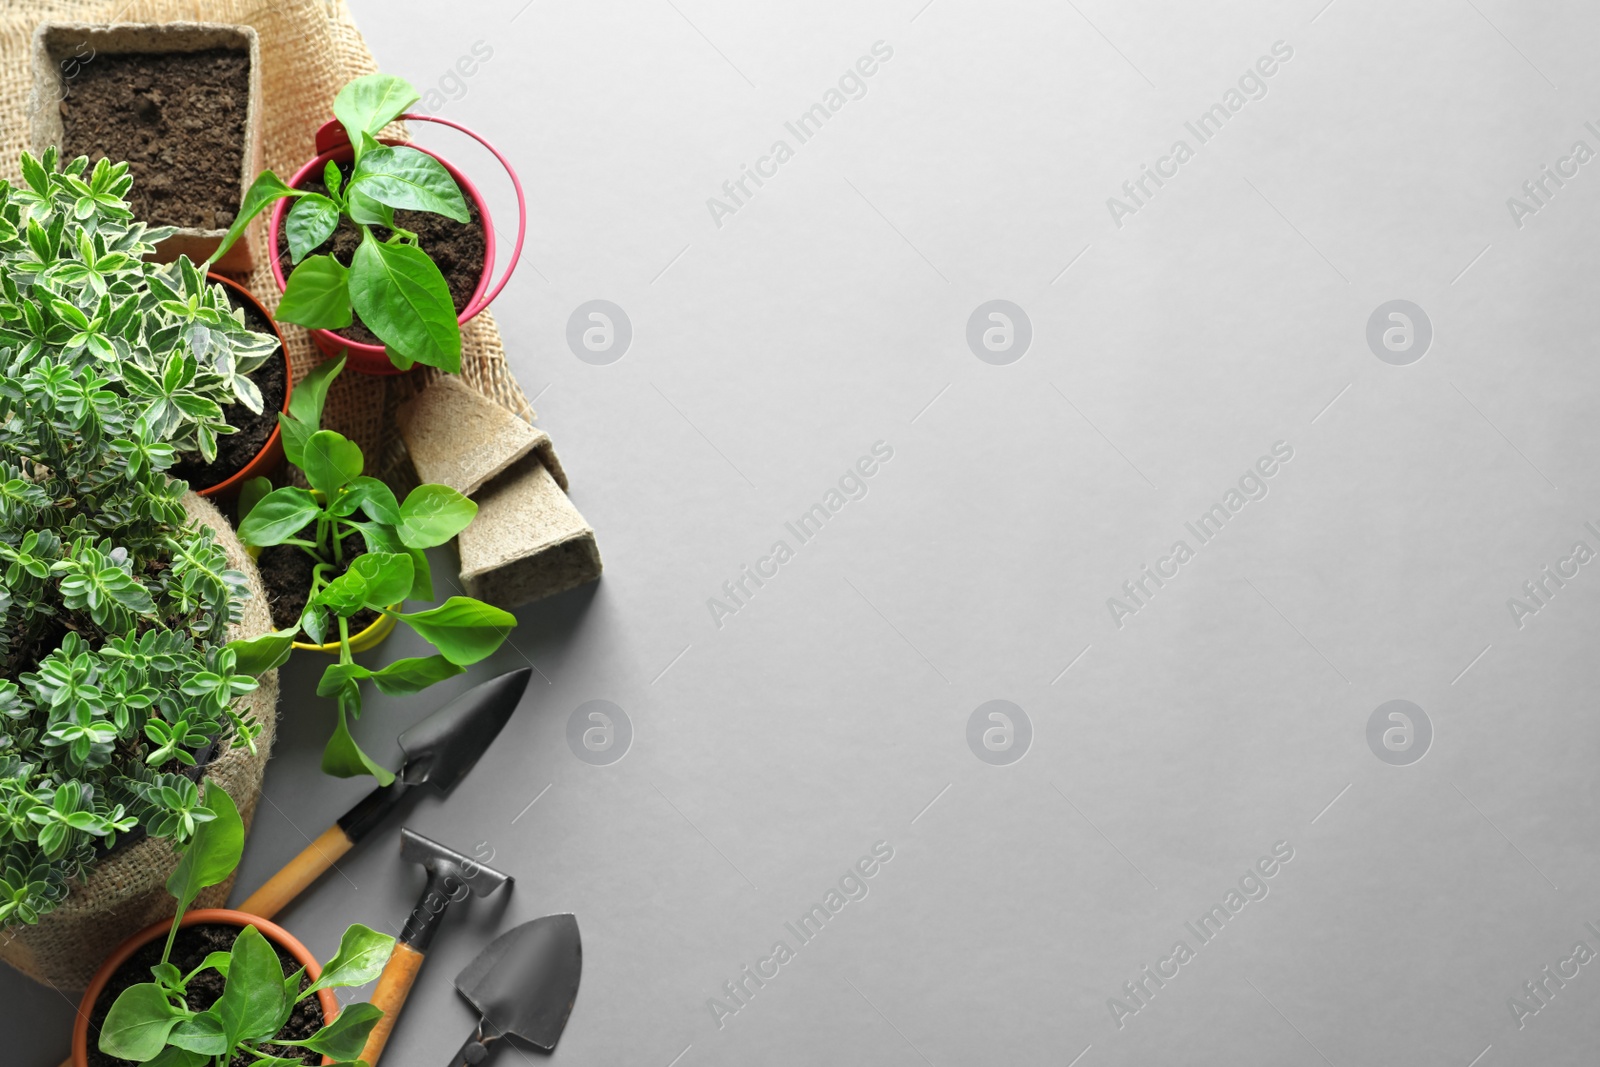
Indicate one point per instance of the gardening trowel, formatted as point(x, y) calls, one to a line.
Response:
point(451, 877)
point(439, 751)
point(523, 986)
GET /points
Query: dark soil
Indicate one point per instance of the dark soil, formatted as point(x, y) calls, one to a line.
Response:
point(236, 450)
point(457, 248)
point(189, 950)
point(178, 119)
point(286, 574)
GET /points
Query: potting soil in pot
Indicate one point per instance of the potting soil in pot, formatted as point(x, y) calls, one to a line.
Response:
point(234, 450)
point(189, 950)
point(457, 248)
point(177, 118)
point(286, 574)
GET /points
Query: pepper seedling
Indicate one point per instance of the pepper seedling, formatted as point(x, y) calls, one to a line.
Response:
point(324, 521)
point(391, 282)
point(153, 1022)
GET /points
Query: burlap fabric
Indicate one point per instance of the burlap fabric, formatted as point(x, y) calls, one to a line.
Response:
point(127, 890)
point(309, 50)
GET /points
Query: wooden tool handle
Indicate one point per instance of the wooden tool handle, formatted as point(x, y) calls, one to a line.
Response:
point(298, 873)
point(399, 974)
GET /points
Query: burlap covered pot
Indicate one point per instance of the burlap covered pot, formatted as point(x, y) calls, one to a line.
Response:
point(127, 890)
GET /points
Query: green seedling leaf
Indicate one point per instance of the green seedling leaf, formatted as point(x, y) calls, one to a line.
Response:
point(345, 594)
point(343, 758)
point(360, 959)
point(401, 296)
point(387, 577)
point(465, 630)
point(406, 676)
point(432, 514)
point(257, 655)
point(331, 460)
point(343, 1038)
point(250, 494)
point(212, 853)
point(280, 515)
point(172, 1056)
point(266, 190)
point(204, 1033)
point(253, 998)
point(317, 296)
point(311, 392)
point(368, 104)
point(137, 1026)
point(310, 222)
point(373, 498)
point(405, 178)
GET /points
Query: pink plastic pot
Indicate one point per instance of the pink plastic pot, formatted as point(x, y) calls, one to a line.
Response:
point(333, 145)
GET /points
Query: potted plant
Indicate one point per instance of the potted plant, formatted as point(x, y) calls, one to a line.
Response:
point(255, 449)
point(351, 553)
point(179, 101)
point(380, 244)
point(216, 992)
point(119, 591)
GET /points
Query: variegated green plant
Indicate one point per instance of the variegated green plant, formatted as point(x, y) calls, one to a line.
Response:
point(114, 605)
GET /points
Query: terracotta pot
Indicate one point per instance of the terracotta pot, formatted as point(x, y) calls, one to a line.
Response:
point(221, 916)
point(334, 146)
point(271, 454)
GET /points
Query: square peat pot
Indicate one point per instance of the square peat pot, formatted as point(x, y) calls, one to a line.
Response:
point(181, 101)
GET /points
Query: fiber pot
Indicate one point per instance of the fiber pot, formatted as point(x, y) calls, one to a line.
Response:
point(334, 146)
point(204, 916)
point(61, 50)
point(127, 889)
point(271, 455)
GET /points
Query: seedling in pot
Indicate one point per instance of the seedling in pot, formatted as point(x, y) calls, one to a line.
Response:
point(155, 1023)
point(391, 282)
point(324, 521)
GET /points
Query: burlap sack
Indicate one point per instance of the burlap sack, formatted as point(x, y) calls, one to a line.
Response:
point(127, 890)
point(309, 50)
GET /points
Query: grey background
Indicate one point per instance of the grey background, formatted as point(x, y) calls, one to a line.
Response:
point(1168, 755)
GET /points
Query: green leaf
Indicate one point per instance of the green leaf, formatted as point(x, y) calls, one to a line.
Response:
point(372, 497)
point(212, 853)
point(330, 461)
point(253, 998)
point(257, 655)
point(387, 578)
point(406, 676)
point(266, 190)
point(204, 1033)
point(401, 296)
point(282, 514)
point(317, 296)
point(137, 1026)
point(432, 514)
point(311, 392)
point(360, 959)
point(405, 178)
point(250, 495)
point(310, 222)
point(465, 630)
point(344, 595)
point(368, 104)
point(343, 1038)
point(343, 758)
point(172, 1056)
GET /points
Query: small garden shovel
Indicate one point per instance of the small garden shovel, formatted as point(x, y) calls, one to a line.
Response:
point(523, 986)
